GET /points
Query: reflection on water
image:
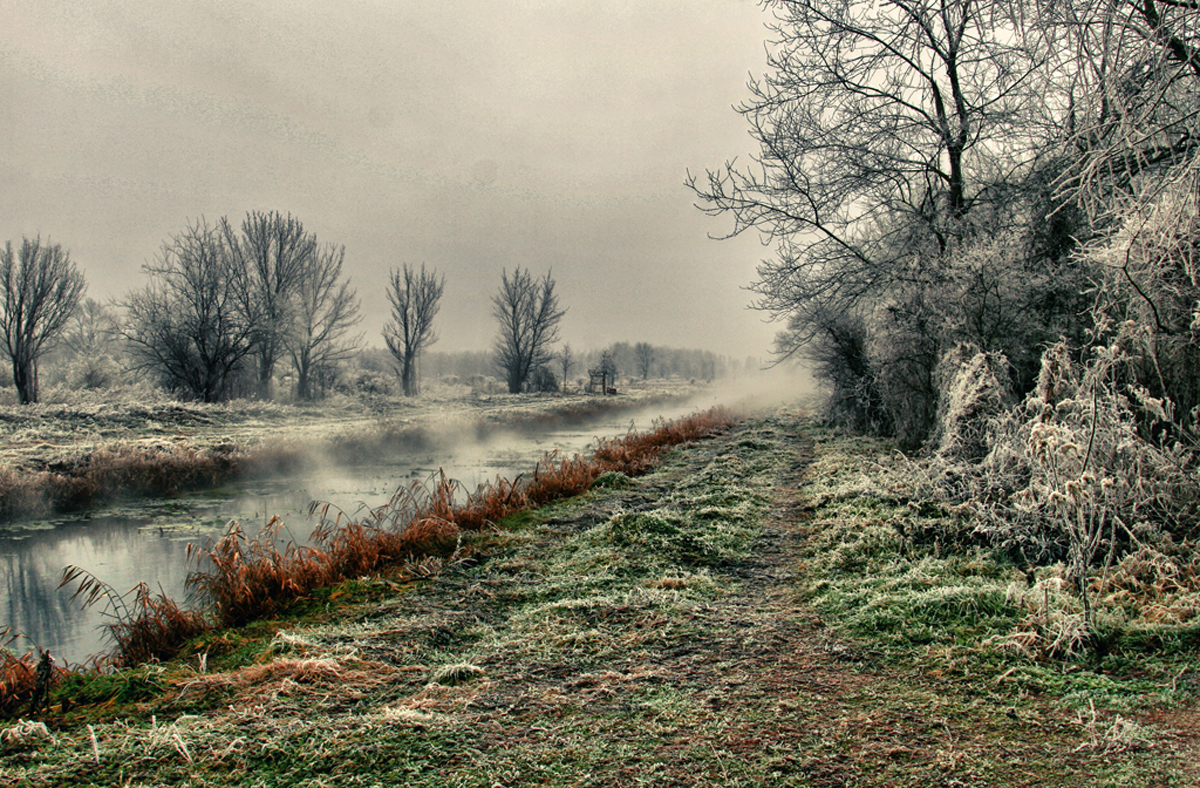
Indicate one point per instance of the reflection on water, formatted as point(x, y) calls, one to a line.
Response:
point(147, 542)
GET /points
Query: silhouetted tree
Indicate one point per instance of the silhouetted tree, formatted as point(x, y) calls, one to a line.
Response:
point(324, 311)
point(416, 297)
point(643, 355)
point(276, 253)
point(41, 289)
point(566, 361)
point(528, 314)
point(190, 325)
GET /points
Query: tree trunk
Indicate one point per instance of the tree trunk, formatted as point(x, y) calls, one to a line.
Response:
point(408, 377)
point(514, 381)
point(266, 371)
point(25, 379)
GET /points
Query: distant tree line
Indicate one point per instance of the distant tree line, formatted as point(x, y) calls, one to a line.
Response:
point(227, 310)
point(626, 364)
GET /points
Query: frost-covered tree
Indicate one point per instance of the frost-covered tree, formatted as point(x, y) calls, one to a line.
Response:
point(324, 311)
point(41, 288)
point(416, 297)
point(276, 254)
point(643, 355)
point(527, 312)
point(189, 326)
point(882, 129)
point(91, 344)
point(566, 362)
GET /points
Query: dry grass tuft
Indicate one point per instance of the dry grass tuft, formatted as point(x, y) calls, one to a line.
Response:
point(249, 579)
point(26, 679)
point(306, 671)
point(456, 674)
point(18, 678)
point(153, 627)
point(1153, 585)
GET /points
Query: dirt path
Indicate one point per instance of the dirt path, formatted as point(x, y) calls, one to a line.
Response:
point(745, 689)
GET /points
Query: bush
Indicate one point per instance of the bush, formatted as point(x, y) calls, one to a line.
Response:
point(1098, 465)
point(841, 361)
point(973, 390)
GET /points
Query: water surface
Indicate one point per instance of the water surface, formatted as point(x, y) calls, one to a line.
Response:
point(147, 541)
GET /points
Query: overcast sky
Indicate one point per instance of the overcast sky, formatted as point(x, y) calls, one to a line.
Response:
point(469, 135)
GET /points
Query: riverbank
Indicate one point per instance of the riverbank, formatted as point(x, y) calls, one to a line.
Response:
point(61, 458)
point(691, 627)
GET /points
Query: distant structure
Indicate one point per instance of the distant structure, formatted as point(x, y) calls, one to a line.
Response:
point(598, 379)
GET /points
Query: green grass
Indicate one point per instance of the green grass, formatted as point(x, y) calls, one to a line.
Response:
point(958, 609)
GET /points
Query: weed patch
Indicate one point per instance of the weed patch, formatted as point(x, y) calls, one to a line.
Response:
point(873, 574)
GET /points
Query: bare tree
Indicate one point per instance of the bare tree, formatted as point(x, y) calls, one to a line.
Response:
point(276, 253)
point(325, 311)
point(189, 326)
point(91, 340)
point(643, 355)
point(416, 298)
point(41, 288)
point(528, 314)
point(883, 126)
point(566, 362)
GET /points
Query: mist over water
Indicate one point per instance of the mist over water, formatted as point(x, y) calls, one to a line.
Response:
point(147, 541)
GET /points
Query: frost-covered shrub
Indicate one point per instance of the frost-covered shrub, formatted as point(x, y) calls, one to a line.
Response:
point(484, 385)
point(1151, 298)
point(974, 389)
point(999, 293)
point(1072, 476)
point(542, 380)
point(369, 383)
point(1097, 467)
point(841, 362)
point(904, 351)
point(1006, 293)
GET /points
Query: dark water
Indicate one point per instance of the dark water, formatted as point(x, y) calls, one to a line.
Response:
point(147, 541)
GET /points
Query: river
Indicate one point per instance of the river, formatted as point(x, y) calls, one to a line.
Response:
point(146, 541)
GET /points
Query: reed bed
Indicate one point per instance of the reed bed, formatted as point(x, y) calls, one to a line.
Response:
point(242, 578)
point(25, 680)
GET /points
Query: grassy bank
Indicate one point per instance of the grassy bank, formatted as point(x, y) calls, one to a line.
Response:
point(763, 608)
point(57, 458)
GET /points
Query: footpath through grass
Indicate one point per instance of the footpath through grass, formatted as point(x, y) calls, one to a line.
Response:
point(695, 626)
